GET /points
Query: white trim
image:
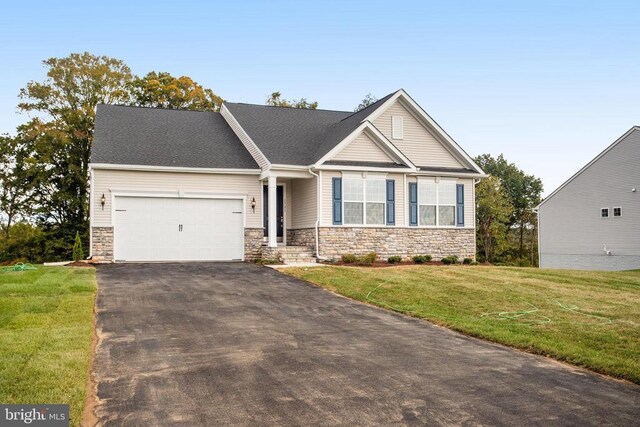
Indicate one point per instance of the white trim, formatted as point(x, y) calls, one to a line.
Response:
point(226, 114)
point(428, 121)
point(176, 195)
point(292, 173)
point(91, 207)
point(288, 167)
point(382, 142)
point(608, 213)
point(284, 209)
point(450, 174)
point(319, 195)
point(613, 210)
point(364, 178)
point(585, 167)
point(148, 168)
point(397, 127)
point(363, 169)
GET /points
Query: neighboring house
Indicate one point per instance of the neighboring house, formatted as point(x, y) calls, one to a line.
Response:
point(258, 181)
point(592, 221)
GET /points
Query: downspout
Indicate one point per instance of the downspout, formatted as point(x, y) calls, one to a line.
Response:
point(318, 213)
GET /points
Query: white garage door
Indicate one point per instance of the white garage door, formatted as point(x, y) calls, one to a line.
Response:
point(171, 229)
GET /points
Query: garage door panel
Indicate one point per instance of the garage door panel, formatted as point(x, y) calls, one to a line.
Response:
point(148, 229)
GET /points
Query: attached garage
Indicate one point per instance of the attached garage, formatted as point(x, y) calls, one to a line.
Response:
point(178, 229)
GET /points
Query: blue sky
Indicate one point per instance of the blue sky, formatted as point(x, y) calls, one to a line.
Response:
point(549, 84)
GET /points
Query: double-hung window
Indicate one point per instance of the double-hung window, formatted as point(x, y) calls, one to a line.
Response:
point(437, 202)
point(364, 200)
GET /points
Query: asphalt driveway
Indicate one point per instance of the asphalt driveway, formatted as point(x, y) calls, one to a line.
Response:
point(233, 343)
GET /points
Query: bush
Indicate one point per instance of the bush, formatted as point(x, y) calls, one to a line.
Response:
point(368, 259)
point(78, 253)
point(421, 259)
point(467, 261)
point(394, 259)
point(475, 263)
point(451, 259)
point(349, 258)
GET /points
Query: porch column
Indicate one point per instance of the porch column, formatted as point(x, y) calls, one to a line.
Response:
point(272, 201)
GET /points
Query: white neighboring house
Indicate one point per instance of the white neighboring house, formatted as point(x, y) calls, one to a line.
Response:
point(592, 221)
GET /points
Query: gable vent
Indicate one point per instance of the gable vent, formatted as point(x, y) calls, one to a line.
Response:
point(397, 127)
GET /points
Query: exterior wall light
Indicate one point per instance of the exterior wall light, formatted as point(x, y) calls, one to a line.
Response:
point(103, 200)
point(253, 204)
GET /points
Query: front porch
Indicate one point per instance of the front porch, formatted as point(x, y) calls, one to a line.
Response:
point(289, 215)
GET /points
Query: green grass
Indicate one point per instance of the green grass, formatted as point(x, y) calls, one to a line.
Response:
point(590, 319)
point(46, 322)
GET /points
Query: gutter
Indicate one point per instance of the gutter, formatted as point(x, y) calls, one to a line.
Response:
point(318, 213)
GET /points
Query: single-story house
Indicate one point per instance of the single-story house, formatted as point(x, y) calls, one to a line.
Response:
point(592, 221)
point(258, 181)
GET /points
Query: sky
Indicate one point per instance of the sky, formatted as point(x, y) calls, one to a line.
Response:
point(549, 84)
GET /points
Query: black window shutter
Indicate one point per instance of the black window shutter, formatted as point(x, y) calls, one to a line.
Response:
point(391, 202)
point(337, 201)
point(460, 205)
point(413, 204)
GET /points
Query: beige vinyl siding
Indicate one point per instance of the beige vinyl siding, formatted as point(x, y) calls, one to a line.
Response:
point(304, 203)
point(418, 144)
point(572, 232)
point(107, 181)
point(363, 149)
point(469, 200)
point(244, 138)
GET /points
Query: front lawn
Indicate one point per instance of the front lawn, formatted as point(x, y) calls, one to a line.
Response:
point(46, 322)
point(591, 319)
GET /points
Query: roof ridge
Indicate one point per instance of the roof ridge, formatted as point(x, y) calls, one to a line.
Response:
point(379, 101)
point(287, 108)
point(156, 108)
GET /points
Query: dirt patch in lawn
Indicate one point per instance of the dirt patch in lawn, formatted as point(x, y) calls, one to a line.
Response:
point(80, 264)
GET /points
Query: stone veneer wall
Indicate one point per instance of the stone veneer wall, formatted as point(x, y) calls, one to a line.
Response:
point(102, 241)
point(253, 240)
point(406, 242)
point(302, 237)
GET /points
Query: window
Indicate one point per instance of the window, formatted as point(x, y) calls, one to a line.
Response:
point(397, 127)
point(364, 201)
point(604, 212)
point(617, 212)
point(437, 203)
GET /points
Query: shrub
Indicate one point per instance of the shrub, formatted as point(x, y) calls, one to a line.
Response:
point(475, 263)
point(349, 258)
point(421, 259)
point(78, 253)
point(394, 259)
point(451, 259)
point(368, 259)
point(467, 261)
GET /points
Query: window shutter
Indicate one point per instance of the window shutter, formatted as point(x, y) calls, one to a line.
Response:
point(391, 202)
point(413, 204)
point(460, 205)
point(397, 127)
point(337, 201)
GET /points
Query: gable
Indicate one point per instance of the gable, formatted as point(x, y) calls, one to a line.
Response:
point(418, 143)
point(363, 148)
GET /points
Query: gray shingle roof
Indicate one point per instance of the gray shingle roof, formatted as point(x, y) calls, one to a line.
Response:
point(161, 137)
point(297, 136)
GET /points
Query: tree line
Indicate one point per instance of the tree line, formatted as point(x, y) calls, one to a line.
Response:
point(44, 165)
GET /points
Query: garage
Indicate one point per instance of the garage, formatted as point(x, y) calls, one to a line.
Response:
point(178, 229)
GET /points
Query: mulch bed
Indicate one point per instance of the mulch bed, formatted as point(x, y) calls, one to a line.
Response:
point(80, 264)
point(380, 264)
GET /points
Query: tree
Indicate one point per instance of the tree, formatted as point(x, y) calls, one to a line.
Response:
point(366, 101)
point(16, 183)
point(493, 212)
point(524, 193)
point(162, 90)
point(276, 100)
point(78, 253)
point(60, 137)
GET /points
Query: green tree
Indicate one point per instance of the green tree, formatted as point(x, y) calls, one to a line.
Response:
point(162, 90)
point(61, 134)
point(524, 192)
point(493, 213)
point(276, 100)
point(366, 101)
point(16, 183)
point(78, 253)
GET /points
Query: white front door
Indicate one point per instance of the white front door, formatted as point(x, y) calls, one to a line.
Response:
point(172, 229)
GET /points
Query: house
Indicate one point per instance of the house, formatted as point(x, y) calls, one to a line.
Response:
point(592, 221)
point(258, 181)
